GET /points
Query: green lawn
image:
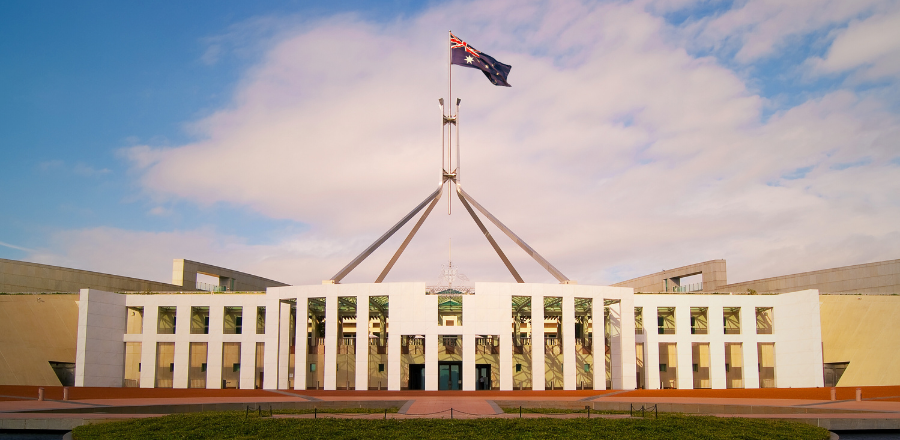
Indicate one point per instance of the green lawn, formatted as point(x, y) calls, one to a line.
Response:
point(232, 425)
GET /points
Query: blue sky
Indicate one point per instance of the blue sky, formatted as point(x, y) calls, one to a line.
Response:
point(280, 138)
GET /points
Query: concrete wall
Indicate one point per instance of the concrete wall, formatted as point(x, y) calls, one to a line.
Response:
point(874, 278)
point(713, 273)
point(21, 276)
point(184, 273)
point(863, 330)
point(35, 330)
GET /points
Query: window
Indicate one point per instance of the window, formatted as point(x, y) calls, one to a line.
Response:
point(233, 322)
point(665, 320)
point(134, 323)
point(765, 320)
point(199, 320)
point(312, 368)
point(518, 368)
point(261, 320)
point(731, 320)
point(235, 367)
point(663, 368)
point(166, 321)
point(587, 368)
point(381, 368)
point(698, 321)
point(638, 320)
point(450, 309)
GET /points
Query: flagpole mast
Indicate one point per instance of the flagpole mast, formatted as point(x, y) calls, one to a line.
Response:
point(450, 109)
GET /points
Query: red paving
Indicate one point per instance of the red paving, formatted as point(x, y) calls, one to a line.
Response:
point(16, 401)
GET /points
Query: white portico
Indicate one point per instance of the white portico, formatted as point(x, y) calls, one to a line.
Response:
point(393, 336)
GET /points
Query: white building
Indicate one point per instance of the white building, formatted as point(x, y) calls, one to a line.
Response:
point(448, 340)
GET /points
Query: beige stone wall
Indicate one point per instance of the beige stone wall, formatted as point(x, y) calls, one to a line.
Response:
point(713, 273)
point(184, 273)
point(873, 278)
point(865, 331)
point(34, 330)
point(21, 276)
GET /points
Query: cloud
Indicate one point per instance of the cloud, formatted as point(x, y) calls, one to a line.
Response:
point(616, 153)
point(760, 28)
point(872, 45)
point(12, 246)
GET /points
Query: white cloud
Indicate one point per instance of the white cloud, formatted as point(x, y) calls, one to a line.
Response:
point(614, 154)
point(873, 44)
point(756, 29)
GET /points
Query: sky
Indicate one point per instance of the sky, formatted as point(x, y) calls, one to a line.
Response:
point(281, 138)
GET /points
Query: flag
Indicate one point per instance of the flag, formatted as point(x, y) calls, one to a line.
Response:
point(462, 54)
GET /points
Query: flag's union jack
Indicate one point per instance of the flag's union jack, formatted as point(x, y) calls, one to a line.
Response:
point(456, 43)
point(462, 54)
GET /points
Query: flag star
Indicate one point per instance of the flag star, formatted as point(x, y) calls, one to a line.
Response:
point(469, 59)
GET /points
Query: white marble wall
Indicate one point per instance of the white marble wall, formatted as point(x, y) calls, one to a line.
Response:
point(100, 355)
point(412, 312)
point(797, 336)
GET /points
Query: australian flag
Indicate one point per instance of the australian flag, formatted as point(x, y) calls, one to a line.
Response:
point(464, 55)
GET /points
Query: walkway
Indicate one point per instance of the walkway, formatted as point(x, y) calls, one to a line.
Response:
point(878, 409)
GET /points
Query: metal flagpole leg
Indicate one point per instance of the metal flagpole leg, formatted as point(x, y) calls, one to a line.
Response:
point(487, 235)
point(409, 237)
point(537, 257)
point(343, 272)
point(458, 163)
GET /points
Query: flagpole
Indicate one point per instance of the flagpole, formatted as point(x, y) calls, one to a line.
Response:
point(450, 109)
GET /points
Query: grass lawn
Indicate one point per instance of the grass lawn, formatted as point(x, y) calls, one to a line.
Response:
point(232, 425)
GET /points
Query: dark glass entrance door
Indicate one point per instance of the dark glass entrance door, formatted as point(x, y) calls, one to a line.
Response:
point(449, 375)
point(417, 376)
point(483, 376)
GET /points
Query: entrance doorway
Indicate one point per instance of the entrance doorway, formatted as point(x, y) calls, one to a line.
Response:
point(449, 375)
point(483, 376)
point(417, 376)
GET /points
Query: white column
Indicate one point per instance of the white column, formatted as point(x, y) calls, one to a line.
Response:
point(538, 361)
point(468, 362)
point(284, 341)
point(751, 355)
point(331, 327)
point(362, 342)
point(148, 346)
point(214, 347)
point(598, 344)
point(214, 361)
point(684, 348)
point(615, 344)
point(394, 362)
point(301, 341)
point(182, 346)
point(716, 331)
point(272, 337)
point(248, 356)
point(431, 361)
point(651, 362)
point(628, 378)
point(506, 356)
point(568, 341)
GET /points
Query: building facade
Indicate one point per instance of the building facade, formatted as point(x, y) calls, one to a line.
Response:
point(395, 336)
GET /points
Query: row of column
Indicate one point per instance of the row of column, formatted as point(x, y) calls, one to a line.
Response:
point(622, 347)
